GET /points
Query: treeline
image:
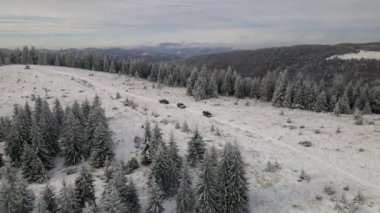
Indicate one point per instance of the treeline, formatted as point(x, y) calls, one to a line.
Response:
point(34, 138)
point(334, 90)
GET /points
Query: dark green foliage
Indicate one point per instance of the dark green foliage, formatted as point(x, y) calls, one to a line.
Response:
point(72, 139)
point(101, 146)
point(50, 199)
point(160, 170)
point(233, 181)
point(40, 146)
point(196, 149)
point(33, 169)
point(15, 197)
point(58, 115)
point(84, 188)
point(208, 195)
point(175, 165)
point(132, 165)
point(185, 197)
point(15, 140)
point(154, 202)
point(132, 197)
point(67, 200)
point(47, 125)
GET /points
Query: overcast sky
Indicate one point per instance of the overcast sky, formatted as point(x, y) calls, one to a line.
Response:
point(236, 23)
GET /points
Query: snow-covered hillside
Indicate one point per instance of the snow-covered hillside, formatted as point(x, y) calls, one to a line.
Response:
point(338, 159)
point(362, 54)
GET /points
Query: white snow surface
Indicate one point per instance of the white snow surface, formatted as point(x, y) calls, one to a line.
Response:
point(362, 54)
point(262, 133)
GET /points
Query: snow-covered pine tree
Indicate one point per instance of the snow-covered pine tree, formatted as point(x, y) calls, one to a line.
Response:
point(37, 109)
point(156, 140)
point(49, 197)
point(160, 169)
point(102, 146)
point(33, 169)
point(239, 87)
point(95, 117)
point(85, 107)
point(47, 125)
point(112, 67)
point(111, 200)
point(59, 116)
point(191, 81)
point(196, 148)
point(321, 104)
point(280, 89)
point(207, 192)
point(14, 194)
point(15, 140)
point(367, 108)
point(72, 140)
point(40, 146)
point(154, 202)
point(228, 83)
point(78, 113)
point(106, 65)
point(185, 196)
point(199, 91)
point(175, 165)
point(84, 188)
point(132, 197)
point(41, 206)
point(147, 132)
point(233, 185)
point(212, 88)
point(67, 200)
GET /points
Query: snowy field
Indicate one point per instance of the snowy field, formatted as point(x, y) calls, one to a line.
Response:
point(350, 158)
point(361, 54)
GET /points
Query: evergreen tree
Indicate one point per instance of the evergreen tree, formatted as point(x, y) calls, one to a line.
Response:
point(154, 202)
point(239, 87)
point(132, 197)
point(199, 91)
point(15, 140)
point(160, 169)
point(102, 146)
point(72, 140)
point(280, 90)
point(41, 206)
point(84, 188)
point(95, 118)
point(86, 108)
point(111, 200)
point(112, 67)
point(58, 116)
point(14, 194)
point(49, 197)
point(207, 188)
point(212, 88)
point(78, 113)
point(40, 146)
point(233, 185)
point(47, 125)
point(191, 81)
point(175, 165)
point(185, 196)
point(155, 141)
point(32, 167)
point(228, 83)
point(367, 108)
point(67, 200)
point(321, 104)
point(196, 149)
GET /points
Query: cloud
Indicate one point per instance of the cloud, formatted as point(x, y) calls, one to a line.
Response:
point(241, 23)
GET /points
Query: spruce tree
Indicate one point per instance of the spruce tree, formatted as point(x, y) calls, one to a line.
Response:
point(233, 181)
point(160, 169)
point(111, 200)
point(95, 117)
point(102, 146)
point(207, 188)
point(33, 169)
point(40, 146)
point(321, 104)
point(280, 90)
point(185, 197)
point(154, 202)
point(15, 140)
point(228, 83)
point(47, 125)
point(72, 139)
point(85, 107)
point(367, 108)
point(14, 194)
point(78, 113)
point(67, 200)
point(196, 149)
point(155, 141)
point(41, 206)
point(58, 115)
point(49, 197)
point(84, 188)
point(132, 197)
point(175, 165)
